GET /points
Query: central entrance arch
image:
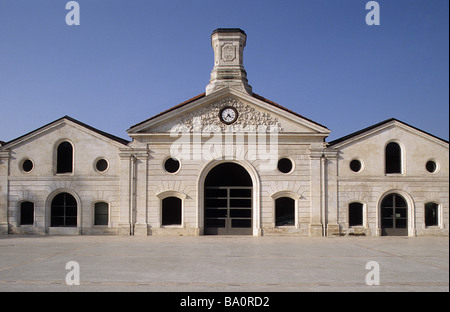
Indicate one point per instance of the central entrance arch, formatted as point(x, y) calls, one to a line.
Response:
point(394, 215)
point(228, 201)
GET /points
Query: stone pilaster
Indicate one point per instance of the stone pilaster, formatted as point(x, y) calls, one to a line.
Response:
point(316, 196)
point(133, 191)
point(4, 172)
point(331, 192)
point(125, 181)
point(140, 192)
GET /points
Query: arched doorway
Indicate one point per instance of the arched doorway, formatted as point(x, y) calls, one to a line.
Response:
point(63, 211)
point(394, 215)
point(228, 201)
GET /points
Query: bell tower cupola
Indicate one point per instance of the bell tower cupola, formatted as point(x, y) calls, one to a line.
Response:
point(228, 45)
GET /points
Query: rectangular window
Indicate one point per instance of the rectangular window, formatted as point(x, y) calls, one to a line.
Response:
point(101, 214)
point(171, 211)
point(355, 214)
point(284, 212)
point(26, 213)
point(431, 214)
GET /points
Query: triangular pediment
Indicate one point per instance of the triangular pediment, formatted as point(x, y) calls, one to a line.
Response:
point(254, 114)
point(59, 124)
point(393, 128)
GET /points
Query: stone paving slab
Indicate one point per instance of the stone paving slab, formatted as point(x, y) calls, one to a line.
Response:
point(223, 263)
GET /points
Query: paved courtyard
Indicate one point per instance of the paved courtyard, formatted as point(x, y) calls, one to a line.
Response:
point(223, 263)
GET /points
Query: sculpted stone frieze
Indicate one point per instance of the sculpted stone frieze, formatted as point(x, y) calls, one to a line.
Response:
point(207, 119)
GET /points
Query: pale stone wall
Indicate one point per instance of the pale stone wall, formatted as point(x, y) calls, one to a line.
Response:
point(415, 183)
point(4, 168)
point(86, 184)
point(297, 182)
point(321, 183)
point(371, 192)
point(299, 140)
point(187, 184)
point(183, 182)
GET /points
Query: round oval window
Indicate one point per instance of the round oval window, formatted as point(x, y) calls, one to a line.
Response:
point(172, 165)
point(285, 165)
point(355, 165)
point(431, 166)
point(101, 165)
point(27, 165)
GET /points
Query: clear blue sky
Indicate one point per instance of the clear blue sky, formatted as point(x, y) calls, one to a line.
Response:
point(131, 59)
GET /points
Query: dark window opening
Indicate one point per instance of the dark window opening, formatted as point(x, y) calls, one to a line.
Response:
point(285, 165)
point(27, 165)
point(26, 213)
point(241, 223)
point(284, 211)
point(63, 211)
point(171, 211)
point(101, 165)
point(431, 214)
point(64, 158)
point(171, 165)
point(355, 214)
point(431, 166)
point(393, 158)
point(355, 165)
point(101, 213)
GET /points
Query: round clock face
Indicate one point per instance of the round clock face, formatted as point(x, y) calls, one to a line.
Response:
point(228, 115)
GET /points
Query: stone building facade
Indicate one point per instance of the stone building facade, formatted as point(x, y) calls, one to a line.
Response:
point(225, 162)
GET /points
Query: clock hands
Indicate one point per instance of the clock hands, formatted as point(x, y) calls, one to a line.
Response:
point(228, 115)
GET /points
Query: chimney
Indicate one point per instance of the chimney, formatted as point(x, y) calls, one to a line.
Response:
point(228, 45)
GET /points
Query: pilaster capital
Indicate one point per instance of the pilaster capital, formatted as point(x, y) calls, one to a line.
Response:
point(316, 154)
point(139, 153)
point(331, 153)
point(4, 155)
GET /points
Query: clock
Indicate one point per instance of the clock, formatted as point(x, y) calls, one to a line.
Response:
point(228, 115)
